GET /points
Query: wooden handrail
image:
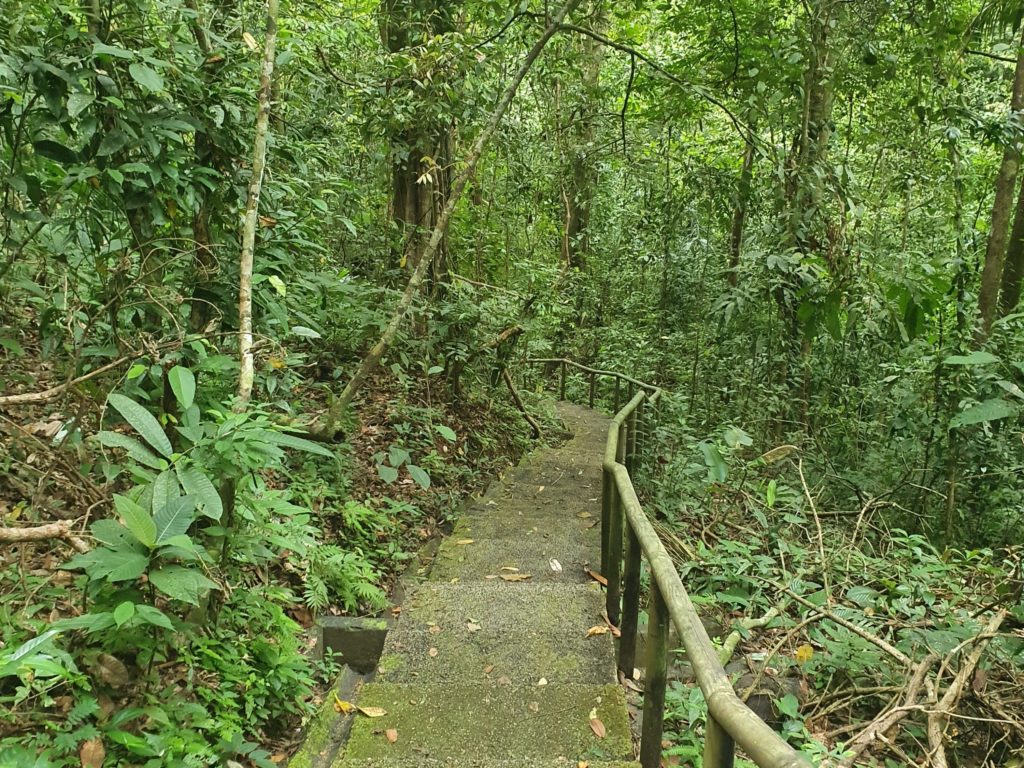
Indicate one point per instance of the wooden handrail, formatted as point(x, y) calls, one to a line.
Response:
point(730, 721)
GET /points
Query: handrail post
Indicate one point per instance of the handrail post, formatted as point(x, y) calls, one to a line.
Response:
point(630, 603)
point(719, 748)
point(607, 501)
point(561, 391)
point(614, 570)
point(654, 683)
point(631, 443)
point(593, 383)
point(618, 383)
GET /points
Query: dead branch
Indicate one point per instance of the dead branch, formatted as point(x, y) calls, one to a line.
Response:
point(745, 625)
point(519, 404)
point(938, 717)
point(54, 392)
point(60, 530)
point(877, 728)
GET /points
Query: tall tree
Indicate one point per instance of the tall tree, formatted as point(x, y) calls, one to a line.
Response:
point(1002, 207)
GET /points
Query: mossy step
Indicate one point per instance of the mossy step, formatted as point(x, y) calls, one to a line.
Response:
point(500, 633)
point(528, 553)
point(460, 722)
point(478, 763)
point(575, 523)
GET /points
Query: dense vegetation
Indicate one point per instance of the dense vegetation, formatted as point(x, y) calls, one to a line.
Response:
point(267, 276)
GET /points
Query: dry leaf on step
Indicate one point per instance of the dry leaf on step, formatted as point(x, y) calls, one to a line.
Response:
point(542, 682)
point(432, 653)
point(534, 707)
point(510, 569)
point(92, 753)
point(582, 764)
point(391, 735)
point(597, 577)
point(596, 725)
point(473, 626)
point(598, 629)
point(463, 542)
point(555, 565)
point(611, 627)
point(373, 711)
point(515, 576)
point(433, 629)
point(488, 669)
point(342, 707)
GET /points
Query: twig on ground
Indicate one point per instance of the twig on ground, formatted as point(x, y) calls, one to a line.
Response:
point(59, 530)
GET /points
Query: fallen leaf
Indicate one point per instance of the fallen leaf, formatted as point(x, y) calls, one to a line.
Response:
point(504, 680)
point(510, 569)
point(582, 764)
point(598, 728)
point(463, 542)
point(373, 711)
point(343, 707)
point(515, 576)
point(249, 41)
point(534, 707)
point(597, 577)
point(391, 735)
point(540, 489)
point(92, 753)
point(803, 654)
point(432, 653)
point(488, 669)
point(583, 515)
point(278, 757)
point(433, 629)
point(598, 629)
point(555, 565)
point(611, 627)
point(473, 627)
point(490, 577)
point(542, 682)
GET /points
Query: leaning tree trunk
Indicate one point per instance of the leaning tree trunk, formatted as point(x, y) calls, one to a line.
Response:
point(1013, 269)
point(739, 211)
point(1002, 203)
point(372, 359)
point(259, 158)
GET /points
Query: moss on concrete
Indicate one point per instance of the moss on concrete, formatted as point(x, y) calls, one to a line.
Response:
point(459, 721)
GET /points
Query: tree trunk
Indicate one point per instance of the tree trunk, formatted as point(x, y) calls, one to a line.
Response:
point(995, 251)
point(372, 359)
point(739, 212)
point(1013, 269)
point(259, 158)
point(421, 152)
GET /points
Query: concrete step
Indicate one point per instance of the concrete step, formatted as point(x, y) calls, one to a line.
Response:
point(517, 633)
point(530, 551)
point(456, 722)
point(478, 762)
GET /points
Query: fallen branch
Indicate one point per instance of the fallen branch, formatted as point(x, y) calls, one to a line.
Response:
point(729, 646)
point(520, 405)
point(60, 530)
point(54, 392)
point(938, 717)
point(877, 728)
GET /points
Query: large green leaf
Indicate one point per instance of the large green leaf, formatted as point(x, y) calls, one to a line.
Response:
point(180, 583)
point(291, 441)
point(165, 490)
point(974, 358)
point(183, 384)
point(136, 520)
point(119, 564)
point(201, 488)
point(143, 422)
point(718, 470)
point(174, 519)
point(990, 410)
point(133, 447)
point(11, 662)
point(419, 474)
point(147, 77)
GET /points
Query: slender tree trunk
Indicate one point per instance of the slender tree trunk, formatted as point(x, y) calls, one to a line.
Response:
point(259, 158)
point(1002, 203)
point(372, 359)
point(1013, 269)
point(739, 212)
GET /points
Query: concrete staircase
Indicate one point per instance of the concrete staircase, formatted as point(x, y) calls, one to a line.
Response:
point(490, 663)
